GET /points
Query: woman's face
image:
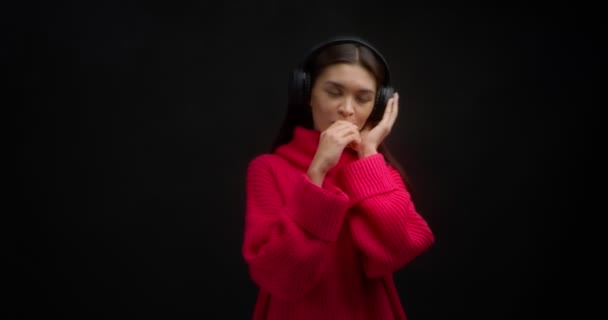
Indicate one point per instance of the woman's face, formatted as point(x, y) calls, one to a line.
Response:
point(342, 92)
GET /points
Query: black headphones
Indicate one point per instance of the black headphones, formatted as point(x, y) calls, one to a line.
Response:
point(300, 82)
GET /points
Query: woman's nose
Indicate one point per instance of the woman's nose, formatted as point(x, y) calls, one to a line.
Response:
point(346, 107)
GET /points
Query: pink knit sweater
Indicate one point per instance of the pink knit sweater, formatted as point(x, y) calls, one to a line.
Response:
point(328, 253)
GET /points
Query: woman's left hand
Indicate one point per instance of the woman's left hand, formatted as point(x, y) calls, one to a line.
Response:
point(372, 137)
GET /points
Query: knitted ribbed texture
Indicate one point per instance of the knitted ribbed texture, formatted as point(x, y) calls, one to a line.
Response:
point(385, 224)
point(328, 253)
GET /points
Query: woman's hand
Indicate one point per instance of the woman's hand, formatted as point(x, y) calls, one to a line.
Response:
point(331, 145)
point(372, 136)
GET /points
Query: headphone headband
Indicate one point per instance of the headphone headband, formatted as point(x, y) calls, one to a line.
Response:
point(345, 39)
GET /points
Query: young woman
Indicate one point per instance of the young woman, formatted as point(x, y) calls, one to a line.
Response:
point(329, 218)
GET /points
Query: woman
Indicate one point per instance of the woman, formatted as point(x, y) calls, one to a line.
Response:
point(329, 218)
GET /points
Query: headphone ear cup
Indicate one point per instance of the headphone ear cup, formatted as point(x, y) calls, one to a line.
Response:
point(298, 88)
point(384, 93)
point(388, 93)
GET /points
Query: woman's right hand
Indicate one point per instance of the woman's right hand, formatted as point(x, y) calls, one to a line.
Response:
point(332, 142)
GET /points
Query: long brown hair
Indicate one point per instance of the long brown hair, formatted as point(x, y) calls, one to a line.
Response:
point(301, 115)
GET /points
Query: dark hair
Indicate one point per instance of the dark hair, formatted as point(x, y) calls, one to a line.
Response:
point(301, 115)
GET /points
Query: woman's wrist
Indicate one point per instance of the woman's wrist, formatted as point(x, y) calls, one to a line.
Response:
point(316, 175)
point(366, 151)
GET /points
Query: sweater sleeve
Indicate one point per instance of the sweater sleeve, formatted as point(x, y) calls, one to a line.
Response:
point(384, 223)
point(286, 238)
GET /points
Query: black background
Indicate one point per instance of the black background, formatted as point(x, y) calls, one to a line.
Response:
point(137, 120)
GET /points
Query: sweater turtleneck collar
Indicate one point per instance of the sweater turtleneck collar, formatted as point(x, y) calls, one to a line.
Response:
point(303, 146)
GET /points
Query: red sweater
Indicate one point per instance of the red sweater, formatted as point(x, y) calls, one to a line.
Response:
point(328, 253)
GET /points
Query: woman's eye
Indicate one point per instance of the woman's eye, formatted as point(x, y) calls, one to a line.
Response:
point(333, 93)
point(363, 100)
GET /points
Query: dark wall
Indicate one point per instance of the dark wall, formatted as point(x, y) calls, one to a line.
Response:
point(137, 121)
